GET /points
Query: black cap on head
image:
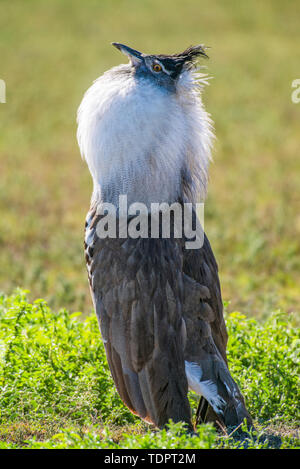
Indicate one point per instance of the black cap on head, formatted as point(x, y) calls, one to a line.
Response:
point(173, 64)
point(186, 59)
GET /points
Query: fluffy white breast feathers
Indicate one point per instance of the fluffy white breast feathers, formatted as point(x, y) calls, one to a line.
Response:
point(139, 139)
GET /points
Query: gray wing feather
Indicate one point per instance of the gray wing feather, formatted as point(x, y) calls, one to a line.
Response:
point(200, 265)
point(160, 313)
point(138, 294)
point(205, 351)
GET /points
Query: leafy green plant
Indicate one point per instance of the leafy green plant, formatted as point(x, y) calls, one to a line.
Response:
point(173, 437)
point(264, 358)
point(56, 389)
point(53, 366)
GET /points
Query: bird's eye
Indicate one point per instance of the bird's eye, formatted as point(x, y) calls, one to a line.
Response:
point(156, 67)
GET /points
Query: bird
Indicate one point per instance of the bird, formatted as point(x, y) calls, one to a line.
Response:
point(145, 134)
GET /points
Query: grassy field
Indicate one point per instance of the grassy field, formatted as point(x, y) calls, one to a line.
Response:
point(52, 51)
point(57, 391)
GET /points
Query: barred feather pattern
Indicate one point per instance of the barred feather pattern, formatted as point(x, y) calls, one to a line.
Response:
point(159, 305)
point(161, 319)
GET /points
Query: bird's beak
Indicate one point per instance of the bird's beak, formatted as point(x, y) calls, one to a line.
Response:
point(134, 55)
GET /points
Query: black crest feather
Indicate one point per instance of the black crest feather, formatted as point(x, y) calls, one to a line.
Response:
point(186, 59)
point(192, 53)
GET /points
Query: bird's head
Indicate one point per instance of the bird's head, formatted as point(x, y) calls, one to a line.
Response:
point(163, 70)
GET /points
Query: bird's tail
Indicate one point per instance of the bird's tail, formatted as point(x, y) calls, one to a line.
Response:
point(211, 379)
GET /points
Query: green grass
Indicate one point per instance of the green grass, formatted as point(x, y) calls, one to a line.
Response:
point(56, 389)
point(54, 374)
point(52, 51)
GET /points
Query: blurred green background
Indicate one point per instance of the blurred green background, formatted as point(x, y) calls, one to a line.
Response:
point(51, 51)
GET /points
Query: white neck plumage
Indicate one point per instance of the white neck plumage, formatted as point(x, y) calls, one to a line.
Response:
point(143, 141)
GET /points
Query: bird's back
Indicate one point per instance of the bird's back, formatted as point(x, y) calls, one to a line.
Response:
point(146, 138)
point(160, 313)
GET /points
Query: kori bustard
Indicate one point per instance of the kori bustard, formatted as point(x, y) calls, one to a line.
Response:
point(145, 135)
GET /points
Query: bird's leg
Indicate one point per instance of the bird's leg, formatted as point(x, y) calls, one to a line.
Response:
point(201, 413)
